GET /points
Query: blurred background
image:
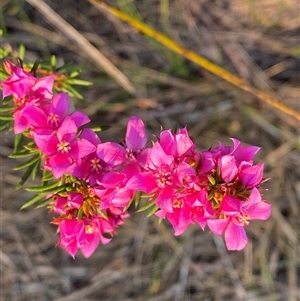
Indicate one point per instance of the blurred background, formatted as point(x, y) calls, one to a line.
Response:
point(259, 42)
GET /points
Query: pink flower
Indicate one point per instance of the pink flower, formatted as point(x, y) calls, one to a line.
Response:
point(86, 234)
point(19, 83)
point(240, 153)
point(158, 178)
point(187, 209)
point(112, 187)
point(116, 155)
point(251, 176)
point(51, 116)
point(136, 137)
point(177, 145)
point(89, 168)
point(62, 147)
point(237, 214)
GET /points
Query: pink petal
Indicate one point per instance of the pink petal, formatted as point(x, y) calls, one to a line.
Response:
point(143, 182)
point(252, 176)
point(168, 143)
point(243, 153)
point(68, 128)
point(35, 116)
point(79, 118)
point(91, 136)
point(112, 179)
point(75, 200)
point(59, 164)
point(92, 242)
point(158, 157)
point(81, 148)
point(136, 136)
point(184, 143)
point(68, 228)
point(21, 123)
point(60, 105)
point(207, 162)
point(46, 141)
point(80, 169)
point(122, 197)
point(228, 168)
point(165, 199)
point(60, 203)
point(235, 237)
point(185, 171)
point(161, 214)
point(218, 226)
point(253, 200)
point(111, 153)
point(231, 205)
point(180, 220)
point(43, 87)
point(71, 248)
point(262, 211)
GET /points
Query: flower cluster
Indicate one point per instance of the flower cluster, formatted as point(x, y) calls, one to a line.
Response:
point(97, 181)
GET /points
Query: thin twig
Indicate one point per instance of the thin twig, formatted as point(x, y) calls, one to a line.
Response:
point(91, 52)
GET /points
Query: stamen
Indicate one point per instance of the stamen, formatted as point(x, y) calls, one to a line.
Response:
point(64, 147)
point(53, 120)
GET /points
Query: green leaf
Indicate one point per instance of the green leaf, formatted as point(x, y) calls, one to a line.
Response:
point(36, 170)
point(4, 53)
point(22, 51)
point(79, 82)
point(6, 117)
point(44, 188)
point(18, 142)
point(100, 128)
point(74, 73)
point(6, 109)
point(4, 124)
point(26, 176)
point(7, 100)
point(3, 74)
point(47, 176)
point(71, 91)
point(56, 190)
point(28, 163)
point(66, 66)
point(153, 210)
point(21, 154)
point(35, 66)
point(102, 213)
point(80, 213)
point(212, 180)
point(137, 198)
point(33, 200)
point(30, 146)
point(53, 62)
point(146, 206)
point(128, 205)
point(46, 202)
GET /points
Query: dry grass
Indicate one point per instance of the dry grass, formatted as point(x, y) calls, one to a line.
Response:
point(256, 40)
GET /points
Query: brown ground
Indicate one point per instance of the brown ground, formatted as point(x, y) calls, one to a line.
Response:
point(256, 40)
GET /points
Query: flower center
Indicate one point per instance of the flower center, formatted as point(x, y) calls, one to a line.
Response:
point(88, 229)
point(164, 177)
point(53, 120)
point(95, 164)
point(177, 203)
point(64, 146)
point(243, 219)
point(132, 155)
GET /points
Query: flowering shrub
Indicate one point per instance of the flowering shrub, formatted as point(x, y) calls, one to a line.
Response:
point(90, 184)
